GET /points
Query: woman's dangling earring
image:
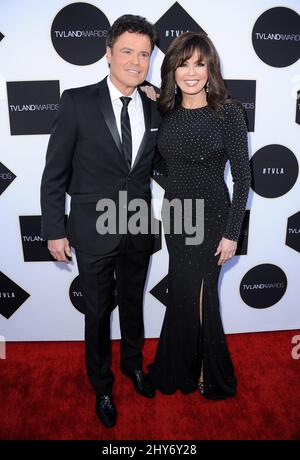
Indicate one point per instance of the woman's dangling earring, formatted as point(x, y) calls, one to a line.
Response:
point(207, 86)
point(175, 89)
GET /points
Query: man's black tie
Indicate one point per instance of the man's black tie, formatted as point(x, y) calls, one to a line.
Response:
point(126, 131)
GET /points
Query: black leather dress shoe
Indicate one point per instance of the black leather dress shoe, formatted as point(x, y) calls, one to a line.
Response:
point(106, 410)
point(141, 382)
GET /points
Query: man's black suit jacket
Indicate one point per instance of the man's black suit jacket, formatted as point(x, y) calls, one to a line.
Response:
point(85, 158)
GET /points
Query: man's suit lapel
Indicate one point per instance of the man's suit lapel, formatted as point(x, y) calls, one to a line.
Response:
point(105, 105)
point(147, 117)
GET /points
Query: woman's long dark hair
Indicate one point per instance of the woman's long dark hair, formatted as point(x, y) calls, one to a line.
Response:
point(180, 50)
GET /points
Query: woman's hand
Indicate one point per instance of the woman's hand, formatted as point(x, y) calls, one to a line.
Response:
point(150, 92)
point(227, 249)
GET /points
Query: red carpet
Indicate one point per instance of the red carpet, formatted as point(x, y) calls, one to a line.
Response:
point(45, 394)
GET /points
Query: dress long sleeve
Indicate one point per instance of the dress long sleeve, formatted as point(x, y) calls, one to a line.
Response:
point(236, 147)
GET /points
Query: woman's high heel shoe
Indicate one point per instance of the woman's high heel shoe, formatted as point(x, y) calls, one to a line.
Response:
point(201, 387)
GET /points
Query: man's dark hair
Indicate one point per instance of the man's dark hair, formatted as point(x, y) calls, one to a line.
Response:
point(131, 23)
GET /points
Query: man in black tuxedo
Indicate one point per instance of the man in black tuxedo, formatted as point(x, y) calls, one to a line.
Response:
point(103, 142)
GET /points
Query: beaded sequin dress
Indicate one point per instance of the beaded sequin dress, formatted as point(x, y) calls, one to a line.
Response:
point(196, 144)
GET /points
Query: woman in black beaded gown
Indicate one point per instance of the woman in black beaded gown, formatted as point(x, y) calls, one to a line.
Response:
point(201, 129)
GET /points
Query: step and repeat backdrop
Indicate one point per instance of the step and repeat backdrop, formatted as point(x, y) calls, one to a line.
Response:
point(46, 47)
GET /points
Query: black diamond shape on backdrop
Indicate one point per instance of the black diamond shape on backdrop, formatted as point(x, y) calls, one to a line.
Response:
point(6, 177)
point(293, 232)
point(12, 296)
point(172, 24)
point(298, 108)
point(1, 36)
point(244, 91)
point(160, 291)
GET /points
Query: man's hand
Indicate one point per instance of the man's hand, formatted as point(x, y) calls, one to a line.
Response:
point(227, 250)
point(59, 249)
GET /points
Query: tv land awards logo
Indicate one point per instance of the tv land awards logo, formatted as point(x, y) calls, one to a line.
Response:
point(293, 232)
point(276, 37)
point(263, 286)
point(77, 297)
point(34, 247)
point(6, 177)
point(79, 33)
point(172, 24)
point(33, 106)
point(12, 296)
point(274, 171)
point(244, 91)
